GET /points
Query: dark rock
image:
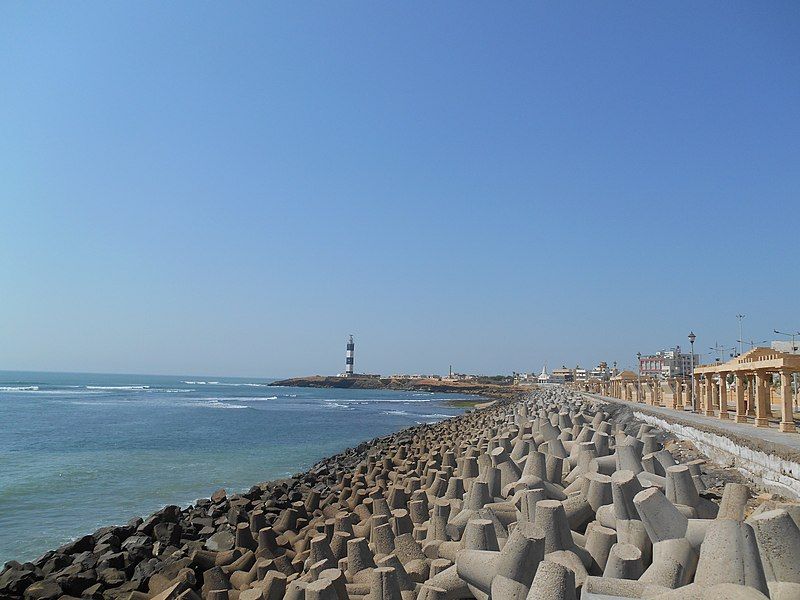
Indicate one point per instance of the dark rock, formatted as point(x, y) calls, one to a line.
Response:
point(83, 544)
point(138, 547)
point(123, 591)
point(111, 539)
point(148, 524)
point(236, 514)
point(93, 591)
point(167, 533)
point(170, 513)
point(46, 589)
point(77, 583)
point(67, 572)
point(219, 496)
point(86, 560)
point(215, 579)
point(112, 577)
point(145, 569)
point(56, 563)
point(15, 579)
point(222, 540)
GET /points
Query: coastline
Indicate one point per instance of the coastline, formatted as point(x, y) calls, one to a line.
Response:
point(377, 516)
point(485, 391)
point(151, 536)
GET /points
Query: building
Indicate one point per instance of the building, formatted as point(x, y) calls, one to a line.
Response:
point(562, 375)
point(581, 374)
point(667, 364)
point(788, 347)
point(601, 372)
point(543, 376)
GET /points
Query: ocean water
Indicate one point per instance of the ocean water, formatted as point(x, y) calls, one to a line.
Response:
point(80, 451)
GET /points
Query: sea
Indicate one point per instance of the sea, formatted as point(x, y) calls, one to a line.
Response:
point(79, 451)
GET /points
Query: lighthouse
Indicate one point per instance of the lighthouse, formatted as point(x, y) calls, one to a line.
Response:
point(348, 361)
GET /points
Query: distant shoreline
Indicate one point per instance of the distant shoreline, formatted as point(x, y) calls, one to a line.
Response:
point(486, 391)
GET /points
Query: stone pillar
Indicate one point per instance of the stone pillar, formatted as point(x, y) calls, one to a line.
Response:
point(678, 394)
point(761, 400)
point(709, 404)
point(694, 393)
point(751, 394)
point(723, 396)
point(741, 408)
point(787, 415)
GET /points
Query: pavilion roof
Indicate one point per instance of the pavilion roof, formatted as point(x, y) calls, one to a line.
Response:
point(756, 358)
point(625, 376)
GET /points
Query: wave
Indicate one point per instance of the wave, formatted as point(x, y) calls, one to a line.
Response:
point(423, 394)
point(436, 416)
point(201, 382)
point(243, 384)
point(395, 412)
point(372, 400)
point(118, 387)
point(329, 404)
point(19, 388)
point(215, 403)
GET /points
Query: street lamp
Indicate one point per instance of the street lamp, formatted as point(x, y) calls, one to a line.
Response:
point(740, 317)
point(639, 377)
point(692, 338)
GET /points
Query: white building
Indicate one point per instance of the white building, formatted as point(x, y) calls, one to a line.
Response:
point(668, 363)
point(580, 373)
point(601, 372)
point(543, 376)
point(786, 346)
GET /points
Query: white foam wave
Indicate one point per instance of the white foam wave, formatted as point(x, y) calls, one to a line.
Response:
point(19, 388)
point(241, 384)
point(371, 400)
point(215, 403)
point(330, 404)
point(395, 412)
point(436, 416)
point(118, 387)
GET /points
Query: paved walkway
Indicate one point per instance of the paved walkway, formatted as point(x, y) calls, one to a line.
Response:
point(770, 440)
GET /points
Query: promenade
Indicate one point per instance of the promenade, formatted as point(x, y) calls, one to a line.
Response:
point(767, 455)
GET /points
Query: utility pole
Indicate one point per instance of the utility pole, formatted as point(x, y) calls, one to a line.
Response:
point(639, 378)
point(740, 317)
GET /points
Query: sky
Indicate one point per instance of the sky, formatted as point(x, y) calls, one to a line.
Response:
point(233, 188)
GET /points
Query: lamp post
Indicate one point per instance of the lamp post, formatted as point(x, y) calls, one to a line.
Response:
point(639, 378)
point(740, 317)
point(692, 338)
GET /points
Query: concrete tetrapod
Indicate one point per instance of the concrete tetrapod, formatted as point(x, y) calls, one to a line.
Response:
point(552, 582)
point(778, 539)
point(729, 554)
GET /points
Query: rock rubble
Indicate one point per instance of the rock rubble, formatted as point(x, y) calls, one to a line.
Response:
point(543, 499)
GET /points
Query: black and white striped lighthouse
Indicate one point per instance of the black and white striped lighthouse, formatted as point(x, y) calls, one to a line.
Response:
point(348, 361)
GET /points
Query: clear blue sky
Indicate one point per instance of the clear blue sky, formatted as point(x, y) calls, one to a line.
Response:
point(232, 188)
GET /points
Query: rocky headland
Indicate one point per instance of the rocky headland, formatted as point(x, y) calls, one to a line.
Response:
point(486, 390)
point(556, 497)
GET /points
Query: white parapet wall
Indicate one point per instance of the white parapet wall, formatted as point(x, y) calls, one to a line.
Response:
point(771, 472)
